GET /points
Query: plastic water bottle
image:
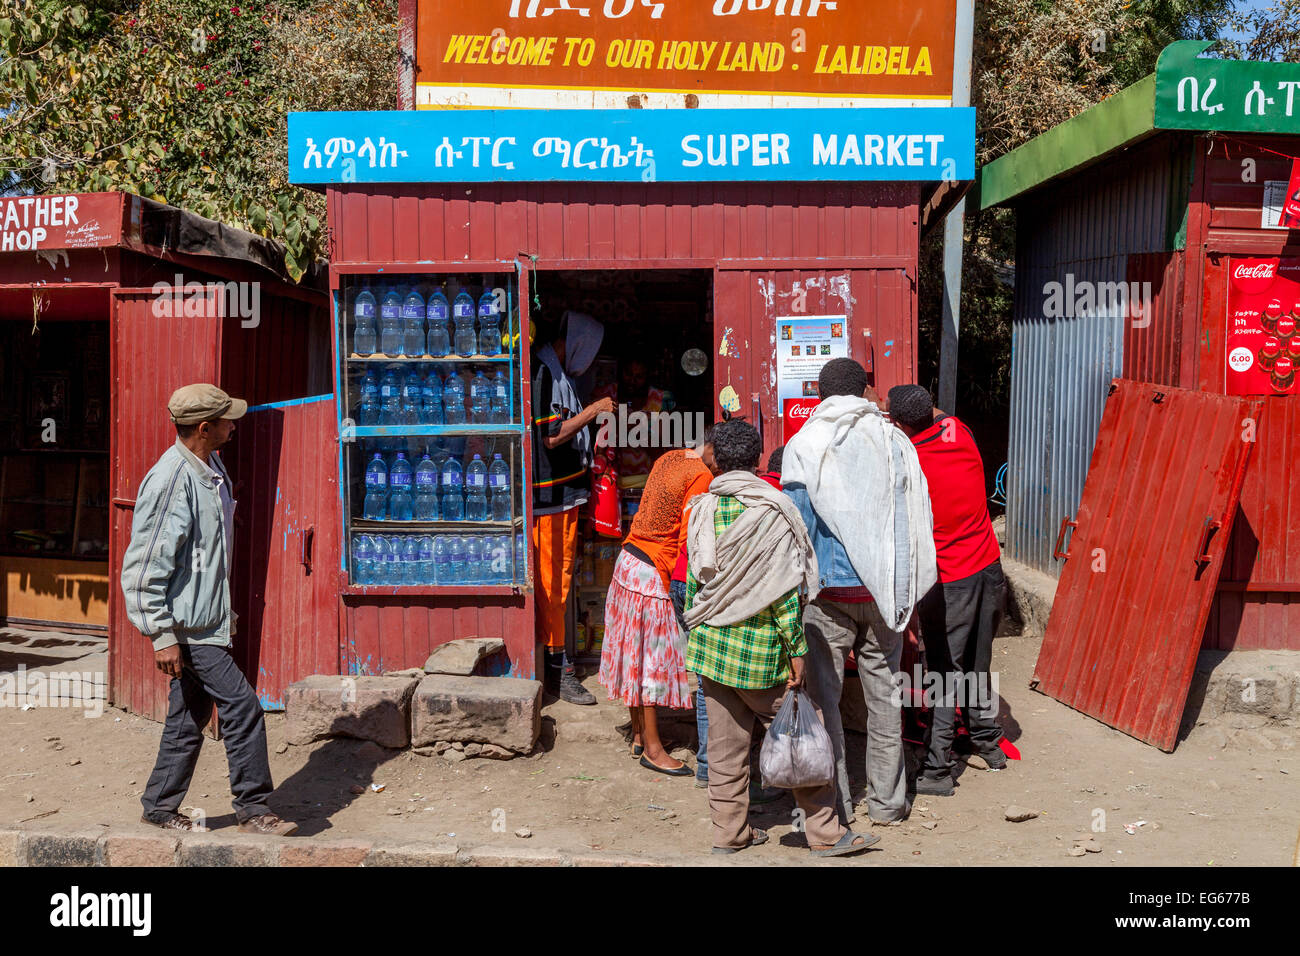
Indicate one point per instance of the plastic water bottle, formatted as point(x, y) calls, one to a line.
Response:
point(480, 399)
point(393, 560)
point(475, 559)
point(363, 333)
point(424, 574)
point(489, 322)
point(476, 490)
point(498, 559)
point(431, 400)
point(413, 324)
point(457, 570)
point(438, 311)
point(441, 560)
point(363, 558)
point(520, 547)
point(379, 570)
point(376, 502)
point(390, 395)
point(399, 498)
point(412, 395)
point(390, 324)
point(453, 400)
point(453, 500)
point(368, 411)
point(426, 490)
point(500, 398)
point(439, 454)
point(410, 560)
point(499, 485)
point(462, 313)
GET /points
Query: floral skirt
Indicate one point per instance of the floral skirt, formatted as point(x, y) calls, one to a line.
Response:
point(641, 661)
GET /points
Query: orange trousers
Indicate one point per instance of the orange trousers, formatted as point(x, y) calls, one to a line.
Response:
point(555, 547)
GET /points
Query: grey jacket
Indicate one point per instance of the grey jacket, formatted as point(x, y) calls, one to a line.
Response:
point(174, 574)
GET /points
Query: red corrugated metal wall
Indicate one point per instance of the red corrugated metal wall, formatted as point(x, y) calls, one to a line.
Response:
point(287, 542)
point(1258, 602)
point(1154, 352)
point(775, 234)
point(622, 225)
point(151, 357)
point(1134, 596)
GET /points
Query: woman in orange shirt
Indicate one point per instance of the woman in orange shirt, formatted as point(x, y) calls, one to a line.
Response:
point(643, 661)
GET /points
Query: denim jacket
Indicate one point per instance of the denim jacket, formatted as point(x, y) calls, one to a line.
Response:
point(833, 563)
point(174, 577)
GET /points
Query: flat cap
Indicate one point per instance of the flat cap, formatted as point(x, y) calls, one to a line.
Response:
point(191, 404)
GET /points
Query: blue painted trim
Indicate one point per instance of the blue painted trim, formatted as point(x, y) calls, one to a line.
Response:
point(292, 401)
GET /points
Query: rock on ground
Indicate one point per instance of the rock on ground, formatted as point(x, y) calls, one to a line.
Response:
point(367, 708)
point(505, 711)
point(459, 658)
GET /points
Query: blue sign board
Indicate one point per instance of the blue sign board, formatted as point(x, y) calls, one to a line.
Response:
point(625, 145)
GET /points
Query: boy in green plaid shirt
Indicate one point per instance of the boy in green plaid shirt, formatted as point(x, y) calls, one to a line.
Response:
point(746, 666)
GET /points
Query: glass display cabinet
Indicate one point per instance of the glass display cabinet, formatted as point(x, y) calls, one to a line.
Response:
point(432, 455)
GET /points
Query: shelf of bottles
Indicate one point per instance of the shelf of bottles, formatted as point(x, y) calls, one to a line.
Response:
point(431, 430)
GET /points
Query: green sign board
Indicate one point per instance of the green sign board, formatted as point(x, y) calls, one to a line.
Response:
point(1229, 96)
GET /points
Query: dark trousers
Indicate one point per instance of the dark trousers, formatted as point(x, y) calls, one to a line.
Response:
point(210, 675)
point(958, 621)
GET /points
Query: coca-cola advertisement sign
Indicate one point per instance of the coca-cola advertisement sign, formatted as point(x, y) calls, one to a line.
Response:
point(1290, 218)
point(796, 414)
point(804, 344)
point(1263, 334)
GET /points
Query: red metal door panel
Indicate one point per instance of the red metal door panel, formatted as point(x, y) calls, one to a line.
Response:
point(287, 534)
point(1152, 528)
point(151, 357)
point(747, 304)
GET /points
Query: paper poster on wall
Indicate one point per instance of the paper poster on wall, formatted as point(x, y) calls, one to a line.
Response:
point(1263, 334)
point(804, 344)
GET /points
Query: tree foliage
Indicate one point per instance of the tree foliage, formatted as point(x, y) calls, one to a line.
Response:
point(1036, 64)
point(185, 101)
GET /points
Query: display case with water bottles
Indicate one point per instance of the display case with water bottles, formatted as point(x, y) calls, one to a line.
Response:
point(432, 431)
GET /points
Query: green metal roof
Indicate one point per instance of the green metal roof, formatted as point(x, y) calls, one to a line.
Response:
point(1186, 92)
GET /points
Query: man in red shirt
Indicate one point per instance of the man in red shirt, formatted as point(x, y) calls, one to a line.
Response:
point(960, 614)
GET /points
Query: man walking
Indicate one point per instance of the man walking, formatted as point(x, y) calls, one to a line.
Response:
point(859, 488)
point(960, 614)
point(176, 585)
point(749, 559)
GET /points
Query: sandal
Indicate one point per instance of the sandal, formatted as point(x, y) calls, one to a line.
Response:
point(849, 843)
point(682, 771)
point(758, 839)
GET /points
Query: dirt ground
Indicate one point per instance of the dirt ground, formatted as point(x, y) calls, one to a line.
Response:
point(1202, 806)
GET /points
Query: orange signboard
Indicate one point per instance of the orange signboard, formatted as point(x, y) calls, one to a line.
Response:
point(769, 52)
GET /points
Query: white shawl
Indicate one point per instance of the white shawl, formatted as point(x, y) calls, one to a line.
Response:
point(864, 480)
point(756, 561)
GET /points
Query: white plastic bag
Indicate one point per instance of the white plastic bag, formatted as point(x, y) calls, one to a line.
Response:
point(797, 750)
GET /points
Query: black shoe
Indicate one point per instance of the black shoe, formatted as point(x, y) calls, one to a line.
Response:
point(573, 691)
point(935, 786)
point(995, 758)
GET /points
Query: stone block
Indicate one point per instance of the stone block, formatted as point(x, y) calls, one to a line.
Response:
point(63, 849)
point(505, 711)
point(1248, 694)
point(11, 848)
point(414, 854)
point(460, 657)
point(509, 856)
point(367, 708)
point(140, 850)
point(215, 851)
point(335, 853)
